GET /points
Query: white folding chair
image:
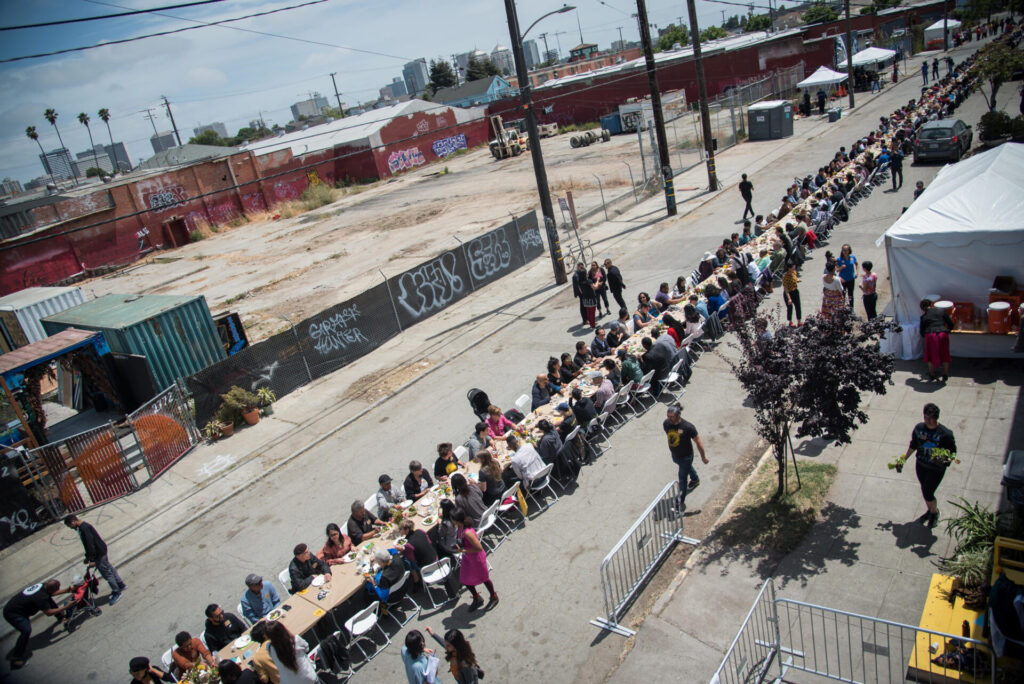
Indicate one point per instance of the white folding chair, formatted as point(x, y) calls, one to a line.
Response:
point(285, 578)
point(361, 625)
point(371, 505)
point(620, 400)
point(461, 453)
point(510, 493)
point(434, 575)
point(202, 638)
point(674, 378)
point(641, 389)
point(487, 521)
point(167, 660)
point(523, 403)
point(596, 433)
point(241, 615)
point(538, 484)
point(396, 596)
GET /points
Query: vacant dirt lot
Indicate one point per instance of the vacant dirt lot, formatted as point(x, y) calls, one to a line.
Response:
point(298, 266)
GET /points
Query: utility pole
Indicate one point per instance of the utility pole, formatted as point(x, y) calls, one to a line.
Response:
point(341, 110)
point(771, 17)
point(525, 94)
point(151, 117)
point(849, 54)
point(579, 26)
point(622, 43)
point(171, 117)
point(544, 36)
point(945, 26)
point(659, 119)
point(702, 94)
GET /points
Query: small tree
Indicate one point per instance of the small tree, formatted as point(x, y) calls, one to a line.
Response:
point(93, 171)
point(818, 13)
point(758, 22)
point(712, 33)
point(480, 68)
point(441, 75)
point(996, 65)
point(673, 34)
point(811, 376)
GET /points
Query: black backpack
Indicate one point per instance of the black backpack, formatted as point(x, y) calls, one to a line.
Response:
point(333, 654)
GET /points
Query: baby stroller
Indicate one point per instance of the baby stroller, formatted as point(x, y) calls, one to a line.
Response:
point(82, 599)
point(479, 401)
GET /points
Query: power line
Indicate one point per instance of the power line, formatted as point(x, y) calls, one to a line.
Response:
point(108, 16)
point(202, 25)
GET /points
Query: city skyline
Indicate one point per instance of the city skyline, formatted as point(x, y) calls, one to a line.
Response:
point(209, 74)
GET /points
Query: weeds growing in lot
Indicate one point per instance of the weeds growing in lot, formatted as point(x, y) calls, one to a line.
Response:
point(316, 196)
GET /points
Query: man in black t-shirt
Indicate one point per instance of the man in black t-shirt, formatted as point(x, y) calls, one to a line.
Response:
point(747, 193)
point(682, 435)
point(221, 628)
point(930, 467)
point(21, 607)
point(304, 567)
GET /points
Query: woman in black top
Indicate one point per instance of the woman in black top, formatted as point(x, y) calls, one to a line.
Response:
point(569, 369)
point(447, 534)
point(582, 407)
point(930, 467)
point(555, 371)
point(490, 483)
point(418, 482)
point(144, 673)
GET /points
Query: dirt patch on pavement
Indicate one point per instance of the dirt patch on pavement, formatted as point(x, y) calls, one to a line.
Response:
point(374, 386)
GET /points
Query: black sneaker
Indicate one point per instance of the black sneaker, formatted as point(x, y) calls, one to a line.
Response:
point(933, 520)
point(924, 518)
point(692, 485)
point(477, 602)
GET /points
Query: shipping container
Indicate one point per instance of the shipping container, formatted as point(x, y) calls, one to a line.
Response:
point(22, 311)
point(175, 333)
point(612, 123)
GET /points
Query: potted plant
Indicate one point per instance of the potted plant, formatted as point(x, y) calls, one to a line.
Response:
point(212, 431)
point(994, 128)
point(238, 405)
point(265, 396)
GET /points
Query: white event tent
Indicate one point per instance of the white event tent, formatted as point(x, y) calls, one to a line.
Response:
point(963, 231)
point(873, 56)
point(934, 32)
point(822, 77)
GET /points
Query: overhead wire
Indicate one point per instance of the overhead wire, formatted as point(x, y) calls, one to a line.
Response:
point(129, 13)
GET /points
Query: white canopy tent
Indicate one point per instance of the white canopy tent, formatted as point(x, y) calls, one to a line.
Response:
point(963, 231)
point(822, 77)
point(873, 56)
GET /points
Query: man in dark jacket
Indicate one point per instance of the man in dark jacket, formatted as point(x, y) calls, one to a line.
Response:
point(615, 283)
point(579, 281)
point(96, 555)
point(221, 628)
point(304, 567)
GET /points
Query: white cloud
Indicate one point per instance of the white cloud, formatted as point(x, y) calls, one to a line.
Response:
point(203, 76)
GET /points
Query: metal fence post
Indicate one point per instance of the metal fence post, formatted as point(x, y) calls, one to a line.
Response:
point(472, 285)
point(632, 183)
point(601, 188)
point(640, 139)
point(295, 334)
point(391, 297)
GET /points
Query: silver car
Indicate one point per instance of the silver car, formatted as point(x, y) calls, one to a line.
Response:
point(945, 139)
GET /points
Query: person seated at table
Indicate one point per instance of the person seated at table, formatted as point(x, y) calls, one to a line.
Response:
point(643, 316)
point(693, 319)
point(417, 551)
point(629, 364)
point(747, 235)
point(391, 569)
point(554, 371)
point(387, 497)
point(616, 335)
point(735, 283)
point(605, 391)
point(568, 421)
point(625, 321)
point(221, 628)
point(468, 499)
point(760, 225)
point(611, 371)
point(446, 463)
point(262, 664)
point(489, 479)
point(679, 289)
point(715, 298)
point(144, 673)
point(550, 442)
point(657, 358)
point(663, 298)
point(526, 462)
point(600, 347)
point(447, 535)
point(232, 673)
point(707, 266)
point(542, 391)
point(698, 305)
point(583, 409)
point(785, 208)
point(418, 482)
point(362, 524)
point(304, 567)
point(189, 651)
point(674, 329)
point(568, 367)
point(497, 423)
point(336, 546)
point(583, 356)
point(259, 598)
point(478, 441)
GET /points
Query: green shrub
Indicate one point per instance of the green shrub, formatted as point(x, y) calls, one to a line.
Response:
point(316, 196)
point(1017, 129)
point(234, 403)
point(994, 125)
point(195, 236)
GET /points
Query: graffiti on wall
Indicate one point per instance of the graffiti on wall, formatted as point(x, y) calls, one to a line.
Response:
point(313, 177)
point(488, 254)
point(446, 146)
point(167, 197)
point(422, 126)
point(403, 160)
point(531, 238)
point(430, 287)
point(337, 332)
point(285, 190)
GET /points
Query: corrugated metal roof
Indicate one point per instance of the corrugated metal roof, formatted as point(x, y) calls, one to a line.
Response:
point(119, 311)
point(45, 349)
point(32, 295)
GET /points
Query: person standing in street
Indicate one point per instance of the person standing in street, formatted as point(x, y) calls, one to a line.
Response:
point(935, 69)
point(924, 72)
point(96, 555)
point(868, 287)
point(822, 98)
point(896, 167)
point(581, 289)
point(682, 435)
point(19, 611)
point(747, 193)
point(930, 467)
point(615, 282)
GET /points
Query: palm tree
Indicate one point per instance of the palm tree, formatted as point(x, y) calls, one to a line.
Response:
point(51, 116)
point(104, 114)
point(31, 133)
point(83, 119)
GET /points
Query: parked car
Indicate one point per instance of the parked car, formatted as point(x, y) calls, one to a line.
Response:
point(943, 139)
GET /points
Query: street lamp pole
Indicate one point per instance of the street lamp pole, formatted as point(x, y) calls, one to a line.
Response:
point(526, 96)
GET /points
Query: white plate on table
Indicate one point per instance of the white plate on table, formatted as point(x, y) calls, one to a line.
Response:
point(318, 581)
point(349, 557)
point(243, 641)
point(427, 500)
point(405, 504)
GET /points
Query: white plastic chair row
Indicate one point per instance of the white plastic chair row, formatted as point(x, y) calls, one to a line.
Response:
point(538, 484)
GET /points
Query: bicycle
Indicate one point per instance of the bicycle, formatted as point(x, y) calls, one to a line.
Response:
point(580, 253)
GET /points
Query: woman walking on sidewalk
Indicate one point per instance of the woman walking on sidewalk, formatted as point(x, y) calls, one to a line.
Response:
point(791, 293)
point(473, 570)
point(928, 437)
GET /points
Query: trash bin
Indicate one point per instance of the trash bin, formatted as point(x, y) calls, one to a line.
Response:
point(1013, 477)
point(834, 115)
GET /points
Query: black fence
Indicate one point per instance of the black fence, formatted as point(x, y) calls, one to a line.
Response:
point(337, 336)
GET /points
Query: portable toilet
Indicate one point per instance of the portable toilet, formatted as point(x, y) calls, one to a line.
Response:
point(770, 120)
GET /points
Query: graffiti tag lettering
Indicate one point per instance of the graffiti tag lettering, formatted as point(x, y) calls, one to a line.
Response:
point(266, 374)
point(446, 146)
point(336, 332)
point(313, 177)
point(19, 520)
point(423, 126)
point(221, 462)
point(531, 238)
point(402, 160)
point(488, 254)
point(167, 198)
point(430, 287)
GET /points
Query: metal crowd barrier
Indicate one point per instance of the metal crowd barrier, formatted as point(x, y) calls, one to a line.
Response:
point(635, 557)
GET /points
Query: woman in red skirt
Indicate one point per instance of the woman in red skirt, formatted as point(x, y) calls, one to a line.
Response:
point(935, 327)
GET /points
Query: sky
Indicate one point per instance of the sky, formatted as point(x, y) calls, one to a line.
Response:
point(215, 73)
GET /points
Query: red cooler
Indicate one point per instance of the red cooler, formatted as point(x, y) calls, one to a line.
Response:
point(999, 318)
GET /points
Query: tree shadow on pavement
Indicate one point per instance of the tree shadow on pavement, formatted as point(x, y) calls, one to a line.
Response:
point(912, 536)
point(814, 543)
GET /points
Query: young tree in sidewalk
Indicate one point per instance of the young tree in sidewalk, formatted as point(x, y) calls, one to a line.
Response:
point(811, 377)
point(996, 65)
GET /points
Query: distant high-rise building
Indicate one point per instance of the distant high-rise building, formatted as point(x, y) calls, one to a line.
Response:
point(217, 127)
point(162, 141)
point(10, 188)
point(119, 154)
point(58, 163)
point(531, 53)
point(398, 87)
point(311, 107)
point(501, 57)
point(98, 158)
point(416, 76)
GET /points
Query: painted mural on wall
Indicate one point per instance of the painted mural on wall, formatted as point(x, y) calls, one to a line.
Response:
point(403, 160)
point(450, 145)
point(166, 197)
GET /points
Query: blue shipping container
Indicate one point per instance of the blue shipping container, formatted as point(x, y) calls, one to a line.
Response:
point(612, 122)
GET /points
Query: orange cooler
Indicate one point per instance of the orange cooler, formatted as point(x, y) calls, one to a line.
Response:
point(999, 318)
point(963, 312)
